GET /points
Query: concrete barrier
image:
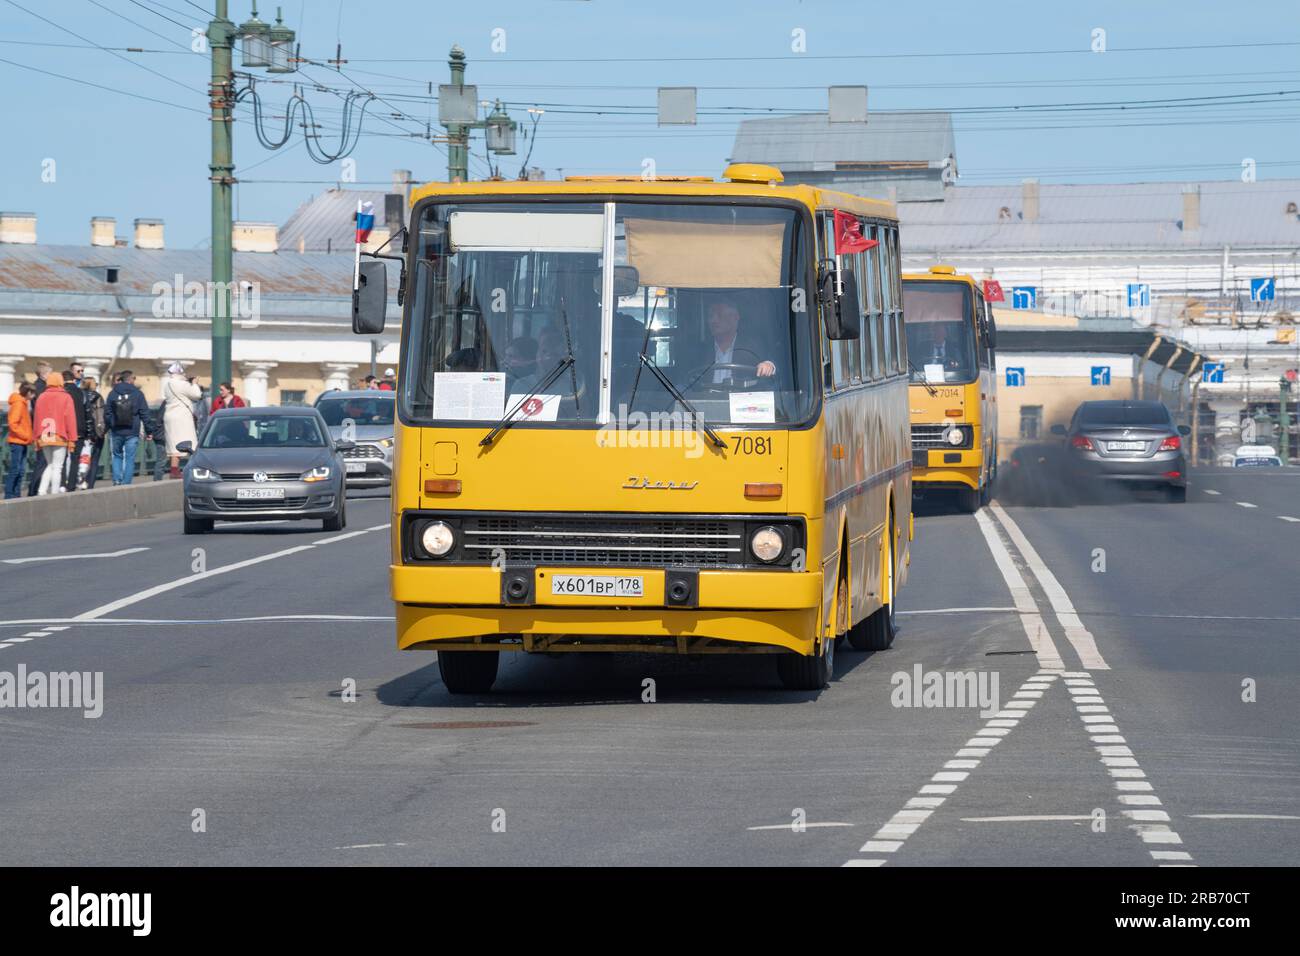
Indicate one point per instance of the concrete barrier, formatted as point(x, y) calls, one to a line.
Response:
point(20, 517)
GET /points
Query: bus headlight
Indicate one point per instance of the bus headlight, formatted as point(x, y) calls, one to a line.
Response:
point(954, 436)
point(437, 539)
point(768, 544)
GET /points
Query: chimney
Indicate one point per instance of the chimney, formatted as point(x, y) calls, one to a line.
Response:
point(103, 231)
point(149, 234)
point(255, 237)
point(1029, 199)
point(18, 227)
point(1191, 208)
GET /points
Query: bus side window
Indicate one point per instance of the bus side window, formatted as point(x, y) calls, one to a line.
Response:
point(981, 340)
point(898, 358)
point(890, 364)
point(825, 243)
point(866, 342)
point(853, 347)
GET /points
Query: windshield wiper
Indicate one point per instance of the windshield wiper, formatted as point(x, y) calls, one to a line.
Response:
point(928, 387)
point(545, 383)
point(666, 382)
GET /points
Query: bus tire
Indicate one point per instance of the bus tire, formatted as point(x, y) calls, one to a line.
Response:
point(468, 672)
point(798, 672)
point(968, 500)
point(877, 632)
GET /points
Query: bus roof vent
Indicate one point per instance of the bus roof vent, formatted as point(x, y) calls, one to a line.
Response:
point(943, 270)
point(753, 173)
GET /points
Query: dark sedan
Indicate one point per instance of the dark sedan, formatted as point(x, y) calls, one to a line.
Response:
point(1125, 441)
point(255, 464)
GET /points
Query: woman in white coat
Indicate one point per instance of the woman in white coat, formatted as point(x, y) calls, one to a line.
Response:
point(179, 397)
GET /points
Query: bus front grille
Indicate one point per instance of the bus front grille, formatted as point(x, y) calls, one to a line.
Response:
point(933, 436)
point(620, 541)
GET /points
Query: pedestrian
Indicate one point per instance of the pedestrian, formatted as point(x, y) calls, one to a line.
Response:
point(20, 438)
point(126, 416)
point(179, 398)
point(390, 380)
point(157, 433)
point(72, 458)
point(43, 370)
point(55, 427)
point(96, 427)
point(370, 383)
point(226, 398)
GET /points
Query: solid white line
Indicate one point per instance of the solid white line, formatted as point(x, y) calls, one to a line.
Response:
point(74, 557)
point(261, 618)
point(958, 610)
point(1243, 816)
point(367, 846)
point(1079, 636)
point(1040, 639)
point(1246, 504)
point(1029, 818)
point(790, 826)
point(342, 537)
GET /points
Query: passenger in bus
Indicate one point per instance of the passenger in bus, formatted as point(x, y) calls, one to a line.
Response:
point(734, 345)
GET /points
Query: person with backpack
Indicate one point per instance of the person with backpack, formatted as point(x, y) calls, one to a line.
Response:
point(126, 416)
point(20, 438)
point(96, 430)
point(55, 426)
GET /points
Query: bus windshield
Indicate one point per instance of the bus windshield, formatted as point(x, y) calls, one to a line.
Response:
point(940, 331)
point(581, 307)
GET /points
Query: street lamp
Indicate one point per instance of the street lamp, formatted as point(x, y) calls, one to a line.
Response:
point(257, 47)
point(281, 41)
point(500, 131)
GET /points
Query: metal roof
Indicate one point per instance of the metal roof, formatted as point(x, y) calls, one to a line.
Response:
point(1133, 341)
point(1145, 216)
point(812, 142)
point(327, 222)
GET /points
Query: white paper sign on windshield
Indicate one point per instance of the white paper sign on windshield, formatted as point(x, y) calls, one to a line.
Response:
point(538, 408)
point(758, 408)
point(934, 373)
point(469, 396)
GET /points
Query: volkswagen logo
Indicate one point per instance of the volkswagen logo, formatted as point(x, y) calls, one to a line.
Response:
point(259, 476)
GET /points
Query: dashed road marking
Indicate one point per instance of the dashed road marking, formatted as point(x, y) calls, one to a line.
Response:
point(1243, 816)
point(1247, 504)
point(1211, 491)
point(807, 826)
point(1032, 818)
point(1288, 518)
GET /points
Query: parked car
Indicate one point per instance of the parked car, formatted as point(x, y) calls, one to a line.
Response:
point(252, 464)
point(1136, 443)
point(371, 412)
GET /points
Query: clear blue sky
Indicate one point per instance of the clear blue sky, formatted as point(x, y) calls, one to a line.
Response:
point(118, 155)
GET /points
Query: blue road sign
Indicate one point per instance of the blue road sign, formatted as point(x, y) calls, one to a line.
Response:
point(1015, 376)
point(1262, 290)
point(1024, 297)
point(1212, 372)
point(1101, 375)
point(1139, 295)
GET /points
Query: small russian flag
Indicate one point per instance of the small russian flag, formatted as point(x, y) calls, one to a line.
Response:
point(365, 222)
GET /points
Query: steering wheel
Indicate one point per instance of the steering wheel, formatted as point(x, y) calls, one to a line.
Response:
point(750, 378)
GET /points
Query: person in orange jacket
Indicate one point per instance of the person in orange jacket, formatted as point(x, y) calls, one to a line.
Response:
point(20, 438)
point(55, 427)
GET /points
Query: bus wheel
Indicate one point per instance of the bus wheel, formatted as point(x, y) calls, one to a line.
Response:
point(468, 672)
point(876, 633)
point(798, 672)
point(968, 500)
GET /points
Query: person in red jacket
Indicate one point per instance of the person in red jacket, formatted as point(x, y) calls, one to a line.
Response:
point(54, 423)
point(226, 397)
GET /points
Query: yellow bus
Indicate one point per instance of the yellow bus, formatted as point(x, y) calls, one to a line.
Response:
point(951, 338)
point(646, 416)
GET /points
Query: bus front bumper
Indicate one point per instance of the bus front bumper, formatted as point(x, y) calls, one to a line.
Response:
point(735, 611)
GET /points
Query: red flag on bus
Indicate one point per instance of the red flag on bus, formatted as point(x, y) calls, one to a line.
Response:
point(993, 291)
point(848, 234)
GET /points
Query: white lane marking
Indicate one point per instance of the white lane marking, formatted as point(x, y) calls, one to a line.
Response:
point(342, 537)
point(1211, 491)
point(1243, 816)
point(892, 834)
point(1288, 518)
point(790, 826)
point(1040, 639)
point(1030, 818)
point(30, 634)
point(1246, 504)
point(1080, 637)
point(380, 527)
point(56, 629)
point(865, 863)
point(367, 846)
point(162, 622)
point(4, 645)
point(19, 640)
point(959, 610)
point(74, 557)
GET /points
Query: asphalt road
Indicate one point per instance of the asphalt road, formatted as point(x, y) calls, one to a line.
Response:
point(1120, 737)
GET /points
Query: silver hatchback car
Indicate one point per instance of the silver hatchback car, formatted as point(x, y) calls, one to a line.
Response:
point(1126, 441)
point(254, 464)
point(364, 417)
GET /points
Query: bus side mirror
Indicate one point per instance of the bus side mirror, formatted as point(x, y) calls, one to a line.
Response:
point(992, 331)
point(842, 316)
point(1184, 430)
point(370, 300)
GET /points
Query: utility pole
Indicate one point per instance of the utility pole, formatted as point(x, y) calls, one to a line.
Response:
point(221, 93)
point(457, 133)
